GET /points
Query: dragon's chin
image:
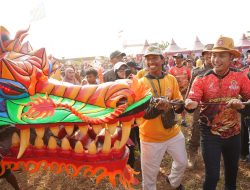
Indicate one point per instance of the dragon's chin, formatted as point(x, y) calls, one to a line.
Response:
point(76, 147)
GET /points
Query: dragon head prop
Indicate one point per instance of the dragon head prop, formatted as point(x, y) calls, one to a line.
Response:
point(83, 129)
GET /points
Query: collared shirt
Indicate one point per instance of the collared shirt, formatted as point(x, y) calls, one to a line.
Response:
point(216, 91)
point(197, 71)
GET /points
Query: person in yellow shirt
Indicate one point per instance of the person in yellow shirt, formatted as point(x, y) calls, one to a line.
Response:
point(159, 132)
point(199, 63)
point(142, 72)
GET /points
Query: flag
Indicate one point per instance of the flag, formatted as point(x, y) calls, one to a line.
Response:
point(38, 12)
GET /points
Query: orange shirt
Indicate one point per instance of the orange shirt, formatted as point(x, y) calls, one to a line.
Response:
point(152, 130)
point(142, 73)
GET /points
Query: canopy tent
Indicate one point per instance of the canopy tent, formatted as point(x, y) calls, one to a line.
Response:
point(198, 46)
point(136, 48)
point(174, 48)
point(146, 45)
point(243, 43)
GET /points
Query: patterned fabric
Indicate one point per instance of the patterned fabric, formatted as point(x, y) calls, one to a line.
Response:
point(195, 72)
point(211, 88)
point(183, 75)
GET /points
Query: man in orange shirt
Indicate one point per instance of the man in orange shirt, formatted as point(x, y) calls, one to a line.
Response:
point(157, 138)
point(183, 76)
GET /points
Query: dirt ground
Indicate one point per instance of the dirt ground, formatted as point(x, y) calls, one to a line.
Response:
point(44, 180)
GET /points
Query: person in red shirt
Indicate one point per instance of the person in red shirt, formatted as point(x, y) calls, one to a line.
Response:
point(246, 68)
point(194, 141)
point(183, 75)
point(245, 119)
point(217, 93)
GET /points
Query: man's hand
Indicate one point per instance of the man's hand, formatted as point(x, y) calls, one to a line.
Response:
point(235, 104)
point(177, 104)
point(163, 104)
point(190, 104)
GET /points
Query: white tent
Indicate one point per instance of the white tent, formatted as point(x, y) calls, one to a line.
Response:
point(198, 46)
point(243, 43)
point(173, 47)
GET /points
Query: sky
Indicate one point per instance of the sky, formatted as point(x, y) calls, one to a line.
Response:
point(82, 28)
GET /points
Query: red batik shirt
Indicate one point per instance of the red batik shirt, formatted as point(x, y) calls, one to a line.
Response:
point(246, 70)
point(183, 76)
point(216, 91)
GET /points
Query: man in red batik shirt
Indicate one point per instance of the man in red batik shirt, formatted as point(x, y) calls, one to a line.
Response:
point(183, 76)
point(217, 92)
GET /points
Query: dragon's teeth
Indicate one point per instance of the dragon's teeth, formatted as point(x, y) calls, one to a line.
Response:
point(65, 144)
point(39, 142)
point(97, 128)
point(24, 143)
point(126, 127)
point(15, 141)
point(83, 130)
point(112, 127)
point(55, 130)
point(40, 132)
point(69, 129)
point(116, 145)
point(52, 143)
point(107, 142)
point(92, 148)
point(78, 147)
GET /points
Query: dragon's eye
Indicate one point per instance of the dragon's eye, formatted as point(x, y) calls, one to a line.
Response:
point(10, 89)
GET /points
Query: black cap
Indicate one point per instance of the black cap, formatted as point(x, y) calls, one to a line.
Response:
point(133, 64)
point(116, 54)
point(178, 55)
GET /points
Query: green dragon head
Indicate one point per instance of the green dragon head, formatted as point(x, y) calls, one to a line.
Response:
point(61, 125)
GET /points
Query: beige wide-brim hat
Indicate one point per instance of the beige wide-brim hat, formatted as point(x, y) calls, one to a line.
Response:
point(225, 44)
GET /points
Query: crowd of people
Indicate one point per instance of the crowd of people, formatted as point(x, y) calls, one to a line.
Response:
point(213, 88)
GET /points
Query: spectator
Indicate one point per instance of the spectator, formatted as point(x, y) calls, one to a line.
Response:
point(183, 76)
point(91, 77)
point(119, 70)
point(133, 67)
point(70, 76)
point(115, 57)
point(190, 64)
point(245, 119)
point(194, 141)
point(198, 62)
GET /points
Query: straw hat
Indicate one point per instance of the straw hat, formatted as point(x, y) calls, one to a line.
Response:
point(225, 44)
